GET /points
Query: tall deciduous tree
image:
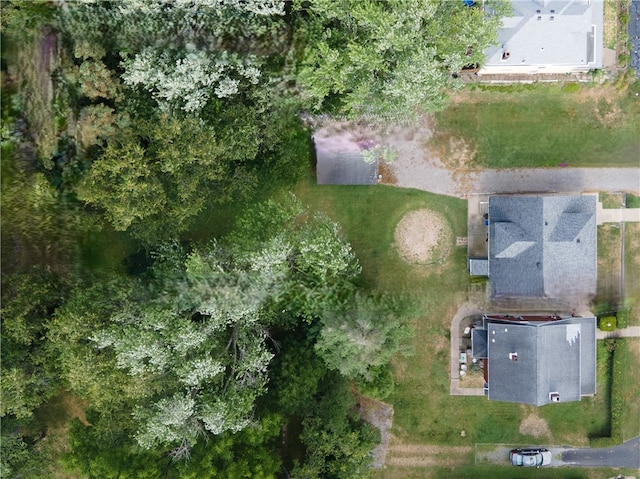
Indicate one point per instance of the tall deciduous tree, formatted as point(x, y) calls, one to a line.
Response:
point(29, 375)
point(360, 336)
point(338, 444)
point(154, 177)
point(390, 58)
point(196, 339)
point(185, 52)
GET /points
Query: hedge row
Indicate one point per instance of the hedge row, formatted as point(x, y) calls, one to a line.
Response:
point(619, 363)
point(622, 317)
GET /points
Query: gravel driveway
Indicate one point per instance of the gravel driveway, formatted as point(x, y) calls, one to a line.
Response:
point(417, 167)
point(413, 169)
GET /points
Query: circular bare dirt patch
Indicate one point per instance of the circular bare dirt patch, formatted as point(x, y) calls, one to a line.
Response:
point(423, 237)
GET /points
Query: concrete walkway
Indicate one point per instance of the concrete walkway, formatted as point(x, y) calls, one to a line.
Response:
point(630, 332)
point(616, 215)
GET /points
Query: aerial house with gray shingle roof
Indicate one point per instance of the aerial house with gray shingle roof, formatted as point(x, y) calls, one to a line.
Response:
point(537, 362)
point(542, 246)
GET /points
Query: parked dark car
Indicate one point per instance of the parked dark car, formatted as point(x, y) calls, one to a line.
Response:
point(533, 457)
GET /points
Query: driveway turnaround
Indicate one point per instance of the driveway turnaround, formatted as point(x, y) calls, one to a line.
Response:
point(625, 455)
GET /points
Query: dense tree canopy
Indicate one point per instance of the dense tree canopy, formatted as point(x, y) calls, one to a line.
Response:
point(195, 337)
point(160, 113)
point(393, 59)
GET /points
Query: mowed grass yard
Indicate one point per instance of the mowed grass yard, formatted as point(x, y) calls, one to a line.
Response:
point(544, 125)
point(632, 272)
point(425, 413)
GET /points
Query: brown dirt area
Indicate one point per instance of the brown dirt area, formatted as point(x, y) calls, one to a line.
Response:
point(422, 237)
point(380, 416)
point(425, 455)
point(534, 425)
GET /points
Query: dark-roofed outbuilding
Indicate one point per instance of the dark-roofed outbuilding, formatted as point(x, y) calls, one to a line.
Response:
point(340, 160)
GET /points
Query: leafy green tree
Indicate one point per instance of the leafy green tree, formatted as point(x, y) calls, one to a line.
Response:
point(104, 449)
point(390, 59)
point(87, 372)
point(295, 376)
point(338, 444)
point(195, 338)
point(21, 457)
point(29, 376)
point(250, 453)
point(22, 18)
point(154, 177)
point(361, 336)
point(199, 349)
point(184, 53)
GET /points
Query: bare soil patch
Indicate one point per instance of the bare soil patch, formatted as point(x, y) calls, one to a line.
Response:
point(455, 152)
point(534, 425)
point(423, 237)
point(425, 455)
point(380, 416)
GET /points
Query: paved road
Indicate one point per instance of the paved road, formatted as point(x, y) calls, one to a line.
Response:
point(417, 168)
point(626, 455)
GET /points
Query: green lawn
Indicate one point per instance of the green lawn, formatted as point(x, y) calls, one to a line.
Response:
point(632, 201)
point(546, 125)
point(632, 271)
point(628, 354)
point(608, 294)
point(369, 215)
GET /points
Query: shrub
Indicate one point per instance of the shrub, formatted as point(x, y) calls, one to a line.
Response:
point(632, 201)
point(617, 399)
point(619, 365)
point(622, 318)
point(623, 59)
point(624, 19)
point(607, 323)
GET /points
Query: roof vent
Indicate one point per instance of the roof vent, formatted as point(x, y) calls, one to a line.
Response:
point(513, 356)
point(554, 397)
point(552, 17)
point(539, 18)
point(506, 54)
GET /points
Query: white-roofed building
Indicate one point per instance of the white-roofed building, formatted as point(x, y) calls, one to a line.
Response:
point(548, 37)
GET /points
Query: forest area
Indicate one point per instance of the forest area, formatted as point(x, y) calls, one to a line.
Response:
point(157, 273)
